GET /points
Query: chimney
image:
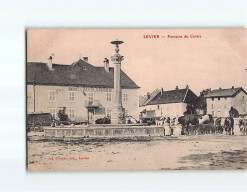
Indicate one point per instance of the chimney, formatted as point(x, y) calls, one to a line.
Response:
point(49, 64)
point(148, 95)
point(187, 86)
point(106, 64)
point(176, 88)
point(161, 91)
point(85, 59)
point(232, 87)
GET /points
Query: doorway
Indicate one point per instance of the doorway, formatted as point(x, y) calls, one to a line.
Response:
point(91, 113)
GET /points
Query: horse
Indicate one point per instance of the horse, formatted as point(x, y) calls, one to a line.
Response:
point(197, 120)
point(219, 127)
point(225, 124)
point(160, 121)
point(187, 120)
point(206, 119)
point(243, 126)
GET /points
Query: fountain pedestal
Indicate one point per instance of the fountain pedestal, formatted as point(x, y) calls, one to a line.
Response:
point(117, 116)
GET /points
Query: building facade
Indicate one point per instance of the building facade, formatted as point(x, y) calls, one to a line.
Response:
point(171, 103)
point(86, 91)
point(220, 101)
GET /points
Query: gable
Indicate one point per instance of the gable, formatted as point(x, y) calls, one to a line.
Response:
point(190, 97)
point(240, 95)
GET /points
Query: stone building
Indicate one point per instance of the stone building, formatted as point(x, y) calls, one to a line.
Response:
point(86, 91)
point(171, 103)
point(220, 101)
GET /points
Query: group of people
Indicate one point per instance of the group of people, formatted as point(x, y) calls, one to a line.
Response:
point(202, 124)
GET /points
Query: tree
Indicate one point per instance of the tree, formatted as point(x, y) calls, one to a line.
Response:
point(233, 112)
point(191, 109)
point(62, 114)
point(201, 104)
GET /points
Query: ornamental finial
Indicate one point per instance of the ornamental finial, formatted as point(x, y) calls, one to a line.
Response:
point(117, 42)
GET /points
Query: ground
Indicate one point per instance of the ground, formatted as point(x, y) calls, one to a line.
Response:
point(200, 152)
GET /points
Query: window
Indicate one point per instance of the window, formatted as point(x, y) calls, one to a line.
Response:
point(212, 106)
point(53, 113)
point(51, 95)
point(108, 96)
point(218, 98)
point(125, 97)
point(71, 96)
point(212, 99)
point(108, 113)
point(225, 98)
point(71, 113)
point(213, 113)
point(158, 107)
point(90, 96)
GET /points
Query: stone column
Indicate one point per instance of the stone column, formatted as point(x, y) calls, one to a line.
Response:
point(117, 112)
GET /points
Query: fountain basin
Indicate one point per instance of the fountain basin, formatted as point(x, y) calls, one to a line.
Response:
point(103, 131)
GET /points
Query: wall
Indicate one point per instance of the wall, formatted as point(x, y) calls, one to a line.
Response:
point(132, 104)
point(175, 109)
point(42, 104)
point(240, 103)
point(222, 107)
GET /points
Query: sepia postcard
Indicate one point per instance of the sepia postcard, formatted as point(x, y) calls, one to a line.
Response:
point(136, 99)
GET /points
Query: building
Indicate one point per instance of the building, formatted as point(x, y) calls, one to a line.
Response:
point(220, 101)
point(166, 103)
point(86, 91)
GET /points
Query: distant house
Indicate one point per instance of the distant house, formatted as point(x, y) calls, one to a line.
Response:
point(220, 101)
point(166, 103)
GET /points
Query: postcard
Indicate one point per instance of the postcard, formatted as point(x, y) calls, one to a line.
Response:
point(136, 99)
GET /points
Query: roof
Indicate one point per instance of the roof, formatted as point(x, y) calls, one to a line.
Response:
point(172, 96)
point(231, 92)
point(79, 73)
point(144, 100)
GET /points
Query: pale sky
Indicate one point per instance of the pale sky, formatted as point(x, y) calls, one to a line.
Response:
point(217, 59)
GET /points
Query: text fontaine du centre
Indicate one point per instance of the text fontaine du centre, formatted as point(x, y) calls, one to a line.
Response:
point(171, 36)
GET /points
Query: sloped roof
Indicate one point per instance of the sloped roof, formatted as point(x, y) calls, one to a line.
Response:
point(79, 73)
point(225, 92)
point(173, 96)
point(143, 101)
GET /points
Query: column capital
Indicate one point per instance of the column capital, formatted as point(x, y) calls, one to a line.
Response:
point(117, 58)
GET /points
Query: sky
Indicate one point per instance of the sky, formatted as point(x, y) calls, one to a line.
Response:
point(217, 59)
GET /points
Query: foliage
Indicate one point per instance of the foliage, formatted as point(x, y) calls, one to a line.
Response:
point(201, 104)
point(191, 109)
point(233, 112)
point(104, 120)
point(62, 114)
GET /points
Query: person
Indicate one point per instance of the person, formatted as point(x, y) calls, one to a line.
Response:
point(53, 123)
point(167, 130)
